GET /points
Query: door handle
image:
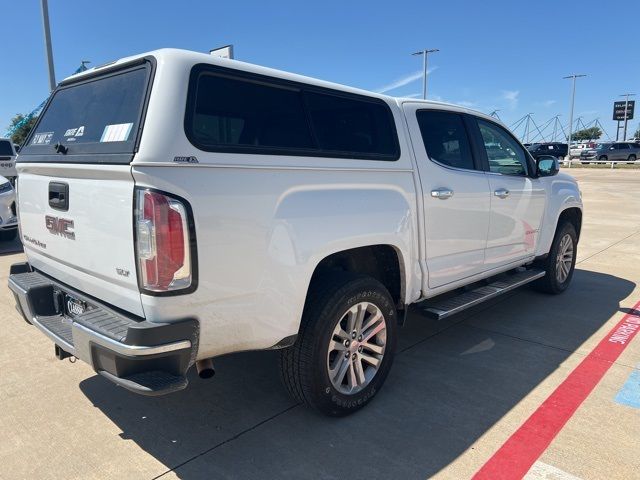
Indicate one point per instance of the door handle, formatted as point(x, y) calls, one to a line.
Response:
point(501, 193)
point(59, 195)
point(442, 193)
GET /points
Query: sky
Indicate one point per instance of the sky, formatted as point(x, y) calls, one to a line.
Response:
point(504, 55)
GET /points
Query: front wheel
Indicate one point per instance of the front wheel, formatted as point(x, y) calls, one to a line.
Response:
point(345, 346)
point(631, 159)
point(561, 261)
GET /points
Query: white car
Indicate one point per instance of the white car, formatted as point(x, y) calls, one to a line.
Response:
point(7, 159)
point(176, 206)
point(8, 217)
point(576, 149)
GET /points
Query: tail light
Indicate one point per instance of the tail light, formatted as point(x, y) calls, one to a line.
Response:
point(162, 242)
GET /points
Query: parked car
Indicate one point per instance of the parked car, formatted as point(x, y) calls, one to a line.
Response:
point(558, 150)
point(245, 208)
point(8, 217)
point(612, 151)
point(7, 159)
point(577, 149)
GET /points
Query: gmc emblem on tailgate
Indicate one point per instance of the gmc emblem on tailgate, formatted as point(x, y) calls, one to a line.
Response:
point(60, 226)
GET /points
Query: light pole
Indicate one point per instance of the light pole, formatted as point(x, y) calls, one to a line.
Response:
point(626, 105)
point(573, 97)
point(425, 53)
point(47, 43)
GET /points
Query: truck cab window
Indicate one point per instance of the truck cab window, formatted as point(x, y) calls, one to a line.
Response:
point(445, 138)
point(505, 155)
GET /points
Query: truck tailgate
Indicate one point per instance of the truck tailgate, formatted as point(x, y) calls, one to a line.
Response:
point(88, 243)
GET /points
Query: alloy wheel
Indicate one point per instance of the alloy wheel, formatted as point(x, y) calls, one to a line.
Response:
point(357, 348)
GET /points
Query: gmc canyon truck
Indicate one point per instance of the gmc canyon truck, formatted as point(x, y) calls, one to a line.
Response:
point(176, 206)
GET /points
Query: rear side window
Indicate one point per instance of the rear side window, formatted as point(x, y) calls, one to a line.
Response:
point(445, 138)
point(230, 111)
point(5, 148)
point(346, 125)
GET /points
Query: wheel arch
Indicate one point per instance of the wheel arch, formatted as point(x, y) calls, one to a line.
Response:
point(384, 262)
point(572, 215)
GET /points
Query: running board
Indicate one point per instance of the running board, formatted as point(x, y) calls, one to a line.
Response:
point(440, 309)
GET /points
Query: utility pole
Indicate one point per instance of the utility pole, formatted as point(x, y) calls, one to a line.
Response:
point(494, 114)
point(47, 43)
point(626, 105)
point(425, 53)
point(573, 97)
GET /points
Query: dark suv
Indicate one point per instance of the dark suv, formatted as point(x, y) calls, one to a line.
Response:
point(555, 149)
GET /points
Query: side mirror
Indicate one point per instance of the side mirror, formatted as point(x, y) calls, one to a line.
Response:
point(547, 166)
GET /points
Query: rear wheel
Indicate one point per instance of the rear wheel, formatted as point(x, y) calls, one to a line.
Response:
point(561, 261)
point(345, 347)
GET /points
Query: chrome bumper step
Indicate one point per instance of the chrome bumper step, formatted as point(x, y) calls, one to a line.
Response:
point(440, 309)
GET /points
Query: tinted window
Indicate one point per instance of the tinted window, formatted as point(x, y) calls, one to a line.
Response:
point(445, 138)
point(505, 155)
point(623, 146)
point(5, 148)
point(101, 111)
point(231, 112)
point(348, 125)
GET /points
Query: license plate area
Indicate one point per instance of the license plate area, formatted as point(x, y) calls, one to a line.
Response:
point(74, 307)
point(69, 305)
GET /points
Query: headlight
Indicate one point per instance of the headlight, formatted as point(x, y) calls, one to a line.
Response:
point(5, 187)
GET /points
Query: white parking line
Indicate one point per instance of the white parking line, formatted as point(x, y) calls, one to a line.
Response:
point(542, 471)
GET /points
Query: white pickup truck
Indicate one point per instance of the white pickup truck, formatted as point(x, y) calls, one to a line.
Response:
point(176, 206)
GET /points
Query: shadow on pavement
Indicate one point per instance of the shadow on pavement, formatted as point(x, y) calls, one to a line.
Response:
point(444, 391)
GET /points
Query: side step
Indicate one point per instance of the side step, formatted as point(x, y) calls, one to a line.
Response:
point(443, 308)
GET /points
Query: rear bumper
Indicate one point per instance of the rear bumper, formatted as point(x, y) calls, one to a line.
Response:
point(144, 357)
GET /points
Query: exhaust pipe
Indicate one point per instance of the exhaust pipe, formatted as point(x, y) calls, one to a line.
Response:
point(205, 368)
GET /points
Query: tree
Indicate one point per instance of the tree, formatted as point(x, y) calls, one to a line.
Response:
point(24, 126)
point(637, 134)
point(592, 133)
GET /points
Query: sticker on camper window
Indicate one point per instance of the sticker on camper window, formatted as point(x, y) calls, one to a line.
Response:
point(75, 132)
point(116, 133)
point(43, 138)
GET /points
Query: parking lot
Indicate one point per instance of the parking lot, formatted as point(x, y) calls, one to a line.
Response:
point(458, 390)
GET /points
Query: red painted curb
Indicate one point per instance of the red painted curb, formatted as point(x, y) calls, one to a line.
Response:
point(514, 459)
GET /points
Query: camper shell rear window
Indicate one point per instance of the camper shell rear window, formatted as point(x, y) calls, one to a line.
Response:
point(94, 120)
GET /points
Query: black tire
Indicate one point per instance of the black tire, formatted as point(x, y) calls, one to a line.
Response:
point(8, 235)
point(550, 282)
point(304, 366)
point(603, 158)
point(631, 159)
